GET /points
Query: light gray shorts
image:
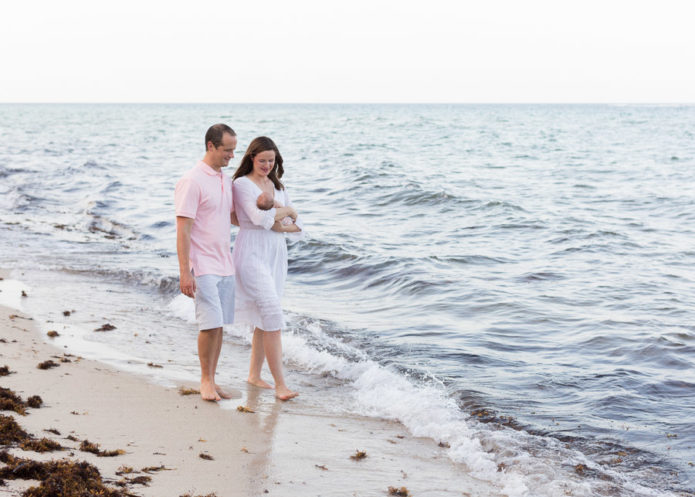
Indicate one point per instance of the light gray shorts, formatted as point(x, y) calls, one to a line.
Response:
point(214, 301)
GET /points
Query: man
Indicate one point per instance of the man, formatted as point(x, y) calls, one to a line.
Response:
point(204, 213)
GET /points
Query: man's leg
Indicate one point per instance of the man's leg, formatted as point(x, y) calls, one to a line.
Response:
point(209, 342)
point(257, 358)
point(218, 347)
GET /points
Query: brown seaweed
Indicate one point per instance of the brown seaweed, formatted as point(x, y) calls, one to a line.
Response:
point(245, 409)
point(35, 401)
point(207, 457)
point(188, 391)
point(87, 446)
point(52, 430)
point(105, 327)
point(140, 480)
point(10, 401)
point(42, 445)
point(47, 364)
point(5, 370)
point(58, 478)
point(399, 492)
point(359, 454)
point(53, 334)
point(124, 470)
point(10, 431)
point(153, 365)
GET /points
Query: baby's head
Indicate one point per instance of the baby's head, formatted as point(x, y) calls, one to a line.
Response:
point(265, 201)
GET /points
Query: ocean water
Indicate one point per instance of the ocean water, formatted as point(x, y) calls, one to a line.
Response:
point(514, 281)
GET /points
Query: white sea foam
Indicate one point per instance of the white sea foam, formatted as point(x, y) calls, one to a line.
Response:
point(183, 308)
point(517, 463)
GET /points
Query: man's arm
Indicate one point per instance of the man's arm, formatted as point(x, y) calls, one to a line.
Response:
point(183, 249)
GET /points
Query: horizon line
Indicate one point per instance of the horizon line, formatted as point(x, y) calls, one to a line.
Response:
point(346, 103)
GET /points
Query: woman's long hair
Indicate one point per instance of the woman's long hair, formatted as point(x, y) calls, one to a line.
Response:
point(258, 145)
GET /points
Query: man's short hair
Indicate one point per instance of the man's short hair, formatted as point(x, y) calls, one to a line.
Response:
point(215, 133)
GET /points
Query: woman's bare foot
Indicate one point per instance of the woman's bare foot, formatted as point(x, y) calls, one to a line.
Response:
point(222, 393)
point(207, 392)
point(285, 393)
point(259, 383)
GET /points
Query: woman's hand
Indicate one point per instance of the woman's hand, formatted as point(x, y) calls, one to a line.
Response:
point(283, 212)
point(281, 228)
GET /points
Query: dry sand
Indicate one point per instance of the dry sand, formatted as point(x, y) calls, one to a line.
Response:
point(276, 450)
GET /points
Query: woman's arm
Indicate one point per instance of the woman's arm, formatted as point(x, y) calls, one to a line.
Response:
point(282, 212)
point(245, 200)
point(281, 228)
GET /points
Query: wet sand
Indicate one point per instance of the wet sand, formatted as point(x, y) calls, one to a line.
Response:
point(280, 449)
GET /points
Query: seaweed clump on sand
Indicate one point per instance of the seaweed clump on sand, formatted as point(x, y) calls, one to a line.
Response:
point(47, 364)
point(188, 391)
point(105, 327)
point(58, 478)
point(399, 492)
point(139, 480)
point(10, 401)
point(10, 431)
point(5, 370)
point(358, 455)
point(87, 446)
point(42, 445)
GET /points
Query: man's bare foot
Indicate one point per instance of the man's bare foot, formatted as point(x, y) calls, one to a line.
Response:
point(285, 393)
point(260, 383)
point(207, 392)
point(223, 393)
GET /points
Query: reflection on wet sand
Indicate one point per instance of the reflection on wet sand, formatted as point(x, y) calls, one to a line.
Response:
point(264, 419)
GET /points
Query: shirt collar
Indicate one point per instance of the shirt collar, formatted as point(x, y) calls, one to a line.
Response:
point(207, 169)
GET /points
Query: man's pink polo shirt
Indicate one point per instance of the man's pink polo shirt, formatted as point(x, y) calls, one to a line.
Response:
point(205, 196)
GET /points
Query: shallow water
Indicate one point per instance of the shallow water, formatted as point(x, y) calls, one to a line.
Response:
point(514, 281)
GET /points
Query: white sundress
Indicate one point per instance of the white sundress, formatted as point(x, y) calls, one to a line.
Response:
point(260, 259)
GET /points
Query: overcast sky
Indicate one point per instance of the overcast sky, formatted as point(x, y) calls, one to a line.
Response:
point(350, 51)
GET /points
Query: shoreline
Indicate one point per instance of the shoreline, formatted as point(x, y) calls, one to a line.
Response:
point(279, 449)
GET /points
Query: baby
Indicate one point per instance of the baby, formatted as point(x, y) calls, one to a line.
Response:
point(265, 201)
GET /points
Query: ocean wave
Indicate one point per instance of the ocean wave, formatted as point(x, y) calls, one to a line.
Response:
point(147, 280)
point(516, 461)
point(109, 228)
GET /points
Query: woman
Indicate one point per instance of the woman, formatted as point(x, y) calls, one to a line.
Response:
point(260, 258)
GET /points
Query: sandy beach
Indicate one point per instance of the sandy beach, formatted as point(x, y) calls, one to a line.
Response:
point(279, 449)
